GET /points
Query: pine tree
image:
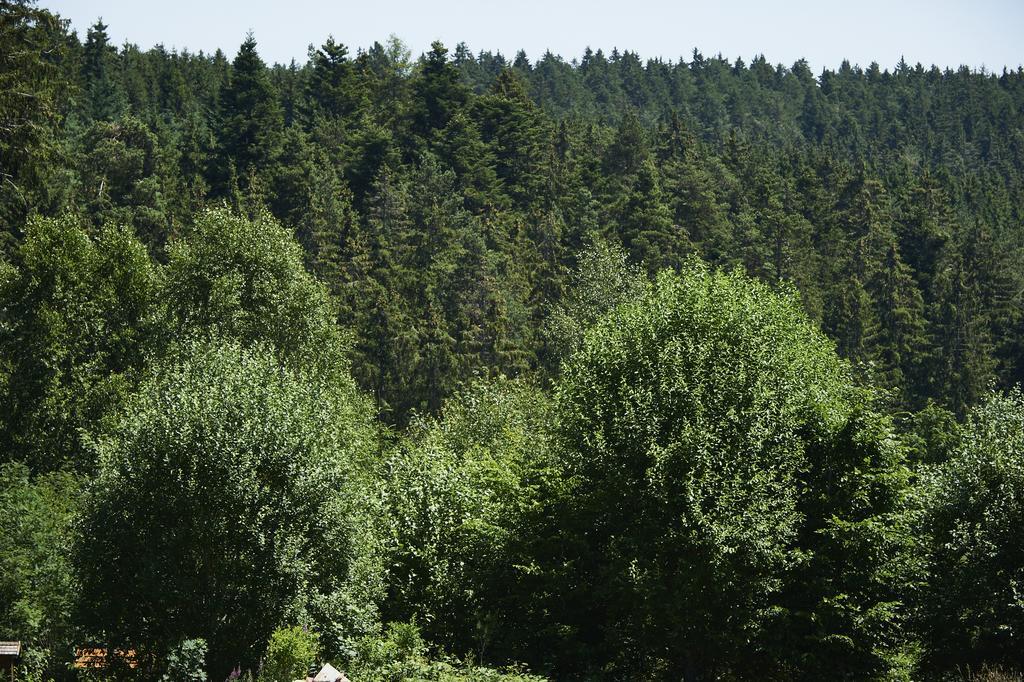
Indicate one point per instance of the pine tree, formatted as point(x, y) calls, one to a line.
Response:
point(437, 94)
point(458, 146)
point(925, 228)
point(125, 180)
point(290, 201)
point(251, 120)
point(902, 343)
point(32, 46)
point(961, 365)
point(104, 95)
point(514, 129)
point(336, 240)
point(644, 223)
point(334, 88)
point(850, 320)
point(691, 191)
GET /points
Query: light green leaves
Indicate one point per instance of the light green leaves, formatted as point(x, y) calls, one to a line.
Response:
point(231, 498)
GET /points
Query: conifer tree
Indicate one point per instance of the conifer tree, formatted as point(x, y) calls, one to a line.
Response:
point(644, 223)
point(437, 94)
point(458, 146)
point(962, 363)
point(337, 244)
point(32, 46)
point(513, 128)
point(125, 178)
point(104, 95)
point(902, 342)
point(334, 88)
point(251, 120)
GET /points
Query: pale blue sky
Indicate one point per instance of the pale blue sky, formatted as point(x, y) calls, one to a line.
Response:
point(944, 32)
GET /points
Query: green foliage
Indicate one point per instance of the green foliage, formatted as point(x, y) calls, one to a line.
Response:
point(463, 495)
point(401, 654)
point(933, 434)
point(437, 93)
point(687, 415)
point(37, 587)
point(889, 201)
point(186, 662)
point(334, 87)
point(123, 174)
point(104, 96)
point(711, 495)
point(701, 422)
point(434, 296)
point(75, 312)
point(848, 602)
point(973, 514)
point(602, 281)
point(517, 133)
point(251, 120)
point(231, 491)
point(32, 46)
point(290, 654)
point(244, 279)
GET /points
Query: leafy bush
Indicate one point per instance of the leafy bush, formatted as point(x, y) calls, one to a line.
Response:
point(290, 653)
point(75, 314)
point(186, 662)
point(242, 279)
point(401, 654)
point(36, 580)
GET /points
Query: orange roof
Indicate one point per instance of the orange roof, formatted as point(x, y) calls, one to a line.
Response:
point(97, 658)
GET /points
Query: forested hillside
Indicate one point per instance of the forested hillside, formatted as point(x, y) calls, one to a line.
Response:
point(444, 365)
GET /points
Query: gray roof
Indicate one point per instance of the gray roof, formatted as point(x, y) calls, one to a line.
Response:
point(10, 648)
point(330, 674)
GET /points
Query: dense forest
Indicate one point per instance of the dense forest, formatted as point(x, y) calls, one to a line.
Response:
point(462, 367)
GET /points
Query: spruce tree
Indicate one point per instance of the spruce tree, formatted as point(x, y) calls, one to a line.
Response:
point(515, 131)
point(334, 88)
point(437, 94)
point(251, 120)
point(33, 43)
point(104, 95)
